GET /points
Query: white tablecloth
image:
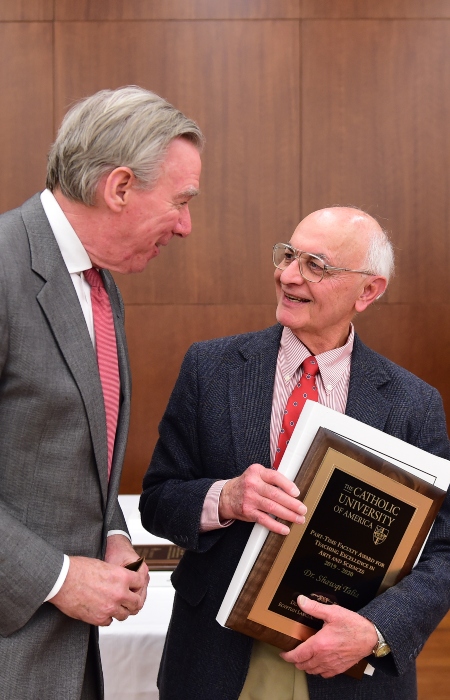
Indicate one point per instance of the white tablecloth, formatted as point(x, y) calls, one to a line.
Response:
point(131, 650)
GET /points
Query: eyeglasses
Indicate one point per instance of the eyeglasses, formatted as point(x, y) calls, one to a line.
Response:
point(312, 268)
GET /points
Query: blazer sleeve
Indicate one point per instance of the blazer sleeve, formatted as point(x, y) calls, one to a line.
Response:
point(407, 613)
point(29, 566)
point(175, 484)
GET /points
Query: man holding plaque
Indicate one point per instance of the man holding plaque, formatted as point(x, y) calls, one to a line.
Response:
point(213, 474)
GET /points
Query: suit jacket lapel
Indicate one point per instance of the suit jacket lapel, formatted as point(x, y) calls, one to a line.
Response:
point(251, 390)
point(59, 303)
point(367, 375)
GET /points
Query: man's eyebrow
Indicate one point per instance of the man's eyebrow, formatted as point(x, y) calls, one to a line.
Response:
point(322, 256)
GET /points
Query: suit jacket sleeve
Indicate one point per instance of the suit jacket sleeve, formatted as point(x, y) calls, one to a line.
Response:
point(175, 484)
point(408, 612)
point(118, 521)
point(29, 564)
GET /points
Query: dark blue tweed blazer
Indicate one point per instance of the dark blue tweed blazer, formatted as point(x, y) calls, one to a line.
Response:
point(217, 423)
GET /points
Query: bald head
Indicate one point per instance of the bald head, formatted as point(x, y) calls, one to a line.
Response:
point(355, 234)
point(357, 259)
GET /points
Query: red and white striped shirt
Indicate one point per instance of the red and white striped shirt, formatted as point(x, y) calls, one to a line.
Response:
point(332, 384)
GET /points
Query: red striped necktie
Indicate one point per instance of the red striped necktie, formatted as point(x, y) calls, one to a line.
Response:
point(106, 347)
point(305, 389)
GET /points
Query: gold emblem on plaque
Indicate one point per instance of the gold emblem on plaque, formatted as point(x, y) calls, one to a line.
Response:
point(380, 534)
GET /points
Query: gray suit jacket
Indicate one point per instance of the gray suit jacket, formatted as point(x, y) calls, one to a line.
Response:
point(217, 423)
point(54, 493)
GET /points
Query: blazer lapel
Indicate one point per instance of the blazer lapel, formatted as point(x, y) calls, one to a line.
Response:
point(251, 391)
point(59, 303)
point(367, 375)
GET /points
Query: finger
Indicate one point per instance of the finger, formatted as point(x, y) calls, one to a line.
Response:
point(274, 493)
point(121, 613)
point(131, 601)
point(319, 668)
point(281, 511)
point(330, 674)
point(271, 476)
point(141, 605)
point(315, 666)
point(318, 610)
point(300, 655)
point(137, 579)
point(271, 524)
point(106, 622)
point(141, 590)
point(142, 595)
point(312, 670)
point(143, 575)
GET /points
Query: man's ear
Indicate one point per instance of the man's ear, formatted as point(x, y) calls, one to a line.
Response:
point(373, 288)
point(118, 185)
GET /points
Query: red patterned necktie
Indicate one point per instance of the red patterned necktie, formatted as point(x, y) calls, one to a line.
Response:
point(106, 347)
point(305, 389)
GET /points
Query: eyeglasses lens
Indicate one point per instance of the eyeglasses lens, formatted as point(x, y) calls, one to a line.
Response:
point(311, 267)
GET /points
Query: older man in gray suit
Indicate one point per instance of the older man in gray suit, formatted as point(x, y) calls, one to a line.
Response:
point(120, 176)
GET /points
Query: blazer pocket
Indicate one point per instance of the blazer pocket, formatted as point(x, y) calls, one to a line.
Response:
point(189, 582)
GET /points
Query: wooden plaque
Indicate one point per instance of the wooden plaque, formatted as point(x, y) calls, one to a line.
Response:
point(366, 523)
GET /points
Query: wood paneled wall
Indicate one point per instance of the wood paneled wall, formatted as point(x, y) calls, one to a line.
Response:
point(304, 104)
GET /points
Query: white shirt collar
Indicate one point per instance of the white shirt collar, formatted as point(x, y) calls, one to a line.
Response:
point(74, 255)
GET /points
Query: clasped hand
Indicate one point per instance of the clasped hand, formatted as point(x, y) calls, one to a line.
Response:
point(258, 494)
point(97, 591)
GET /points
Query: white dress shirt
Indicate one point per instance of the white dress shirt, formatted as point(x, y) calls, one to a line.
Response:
point(76, 260)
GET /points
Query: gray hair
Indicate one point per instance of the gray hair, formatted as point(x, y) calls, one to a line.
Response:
point(129, 127)
point(380, 254)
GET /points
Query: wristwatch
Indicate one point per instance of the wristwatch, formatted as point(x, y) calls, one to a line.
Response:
point(381, 648)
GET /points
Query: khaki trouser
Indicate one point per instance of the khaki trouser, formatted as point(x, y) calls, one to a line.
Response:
point(271, 678)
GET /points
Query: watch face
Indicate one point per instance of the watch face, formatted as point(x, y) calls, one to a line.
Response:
point(382, 650)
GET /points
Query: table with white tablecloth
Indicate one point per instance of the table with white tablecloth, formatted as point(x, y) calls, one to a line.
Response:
point(131, 650)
